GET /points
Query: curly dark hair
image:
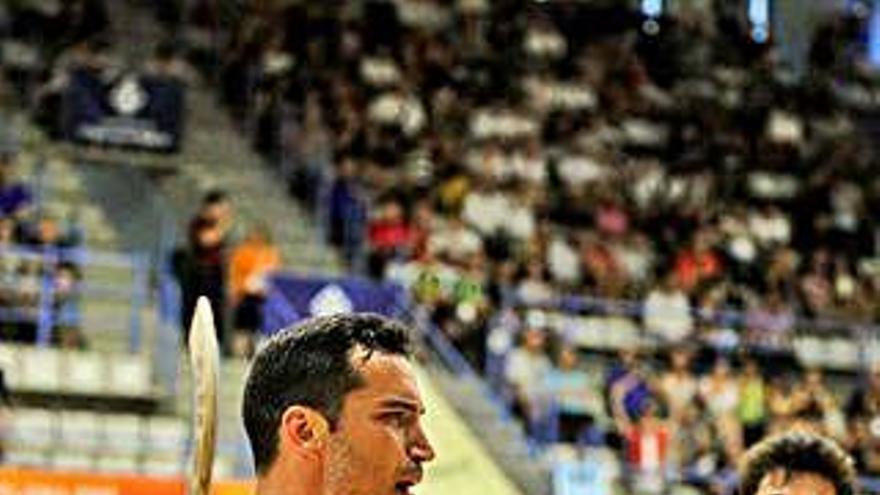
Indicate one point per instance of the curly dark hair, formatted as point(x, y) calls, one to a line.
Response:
point(798, 452)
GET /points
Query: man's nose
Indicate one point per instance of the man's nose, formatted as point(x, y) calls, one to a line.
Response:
point(421, 449)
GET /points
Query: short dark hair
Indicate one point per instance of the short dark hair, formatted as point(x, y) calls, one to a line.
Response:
point(214, 196)
point(310, 364)
point(798, 452)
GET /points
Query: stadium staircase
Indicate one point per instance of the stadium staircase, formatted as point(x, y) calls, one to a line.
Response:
point(99, 408)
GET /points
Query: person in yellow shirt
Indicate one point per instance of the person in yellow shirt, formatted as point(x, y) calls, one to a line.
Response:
point(251, 262)
point(753, 409)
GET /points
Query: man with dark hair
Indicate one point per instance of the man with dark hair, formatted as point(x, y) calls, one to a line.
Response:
point(331, 407)
point(215, 207)
point(200, 264)
point(797, 463)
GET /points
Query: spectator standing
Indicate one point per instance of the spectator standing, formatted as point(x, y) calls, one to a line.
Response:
point(720, 391)
point(647, 442)
point(313, 143)
point(200, 266)
point(200, 269)
point(627, 386)
point(678, 386)
point(250, 264)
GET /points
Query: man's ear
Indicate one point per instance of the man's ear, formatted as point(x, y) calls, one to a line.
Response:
point(304, 428)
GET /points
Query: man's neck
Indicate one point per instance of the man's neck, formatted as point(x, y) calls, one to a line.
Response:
point(286, 480)
point(278, 486)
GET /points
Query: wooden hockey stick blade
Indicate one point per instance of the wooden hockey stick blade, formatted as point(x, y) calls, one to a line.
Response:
point(205, 362)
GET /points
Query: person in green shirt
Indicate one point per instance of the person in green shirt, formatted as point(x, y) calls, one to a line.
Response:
point(752, 410)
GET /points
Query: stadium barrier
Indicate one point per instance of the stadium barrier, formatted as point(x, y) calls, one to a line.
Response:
point(27, 481)
point(593, 323)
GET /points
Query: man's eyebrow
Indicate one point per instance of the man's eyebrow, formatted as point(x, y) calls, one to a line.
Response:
point(401, 403)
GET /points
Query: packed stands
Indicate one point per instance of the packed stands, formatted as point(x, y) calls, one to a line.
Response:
point(652, 241)
point(604, 189)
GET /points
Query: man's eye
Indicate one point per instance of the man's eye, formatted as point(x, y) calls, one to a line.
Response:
point(395, 418)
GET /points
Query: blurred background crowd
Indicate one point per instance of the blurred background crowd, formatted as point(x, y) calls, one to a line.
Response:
point(637, 226)
point(497, 158)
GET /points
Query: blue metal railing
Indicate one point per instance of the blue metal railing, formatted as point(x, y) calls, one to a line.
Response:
point(46, 312)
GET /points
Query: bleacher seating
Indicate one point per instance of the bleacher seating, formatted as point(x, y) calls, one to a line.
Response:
point(104, 442)
point(51, 371)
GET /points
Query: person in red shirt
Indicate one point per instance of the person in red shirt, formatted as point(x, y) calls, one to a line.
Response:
point(389, 230)
point(697, 263)
point(388, 234)
point(646, 444)
point(420, 227)
point(599, 264)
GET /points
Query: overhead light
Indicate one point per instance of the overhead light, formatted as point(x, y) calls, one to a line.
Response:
point(759, 17)
point(652, 8)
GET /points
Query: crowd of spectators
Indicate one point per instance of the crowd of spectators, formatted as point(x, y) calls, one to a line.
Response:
point(676, 418)
point(488, 153)
point(681, 415)
point(493, 155)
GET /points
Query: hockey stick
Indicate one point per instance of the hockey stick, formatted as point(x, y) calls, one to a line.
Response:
point(204, 359)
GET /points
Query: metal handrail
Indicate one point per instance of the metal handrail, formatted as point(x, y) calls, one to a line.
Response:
point(45, 313)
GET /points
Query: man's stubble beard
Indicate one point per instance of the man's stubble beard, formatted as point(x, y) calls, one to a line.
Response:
point(343, 466)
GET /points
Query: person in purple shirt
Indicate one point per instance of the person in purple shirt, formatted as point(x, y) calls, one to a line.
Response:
point(16, 197)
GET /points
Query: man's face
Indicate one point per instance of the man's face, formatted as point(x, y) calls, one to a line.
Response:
point(783, 482)
point(534, 340)
point(219, 211)
point(379, 445)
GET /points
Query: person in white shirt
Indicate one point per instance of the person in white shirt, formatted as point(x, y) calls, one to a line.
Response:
point(526, 371)
point(667, 312)
point(456, 241)
point(534, 288)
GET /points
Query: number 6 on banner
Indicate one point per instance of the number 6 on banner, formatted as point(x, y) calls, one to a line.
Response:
point(204, 359)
